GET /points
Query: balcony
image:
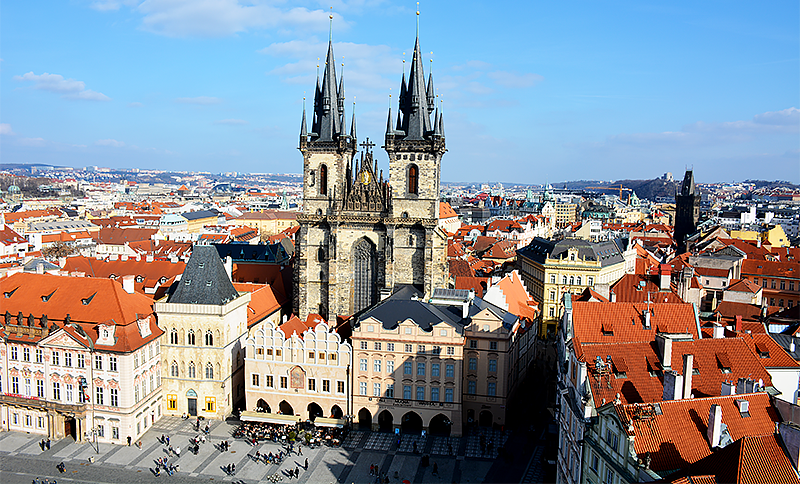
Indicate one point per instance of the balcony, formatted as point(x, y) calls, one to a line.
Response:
point(41, 404)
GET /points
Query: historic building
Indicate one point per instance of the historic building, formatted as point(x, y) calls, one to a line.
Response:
point(205, 320)
point(79, 357)
point(361, 234)
point(298, 370)
point(687, 211)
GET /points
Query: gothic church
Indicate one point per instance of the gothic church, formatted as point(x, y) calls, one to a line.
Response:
point(360, 234)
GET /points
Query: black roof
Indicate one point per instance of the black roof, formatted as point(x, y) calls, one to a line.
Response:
point(607, 253)
point(200, 214)
point(277, 253)
point(204, 281)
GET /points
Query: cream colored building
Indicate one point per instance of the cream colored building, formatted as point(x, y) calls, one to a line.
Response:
point(297, 370)
point(551, 268)
point(268, 222)
point(205, 324)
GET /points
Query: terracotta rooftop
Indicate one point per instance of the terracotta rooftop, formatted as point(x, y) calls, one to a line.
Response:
point(771, 268)
point(641, 288)
point(446, 211)
point(743, 285)
point(676, 437)
point(607, 322)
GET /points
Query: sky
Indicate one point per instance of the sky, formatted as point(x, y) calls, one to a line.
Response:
point(532, 92)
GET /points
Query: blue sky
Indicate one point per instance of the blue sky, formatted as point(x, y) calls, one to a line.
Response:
point(531, 91)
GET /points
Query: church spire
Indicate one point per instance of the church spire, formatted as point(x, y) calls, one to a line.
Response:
point(353, 123)
point(414, 100)
point(327, 111)
point(303, 129)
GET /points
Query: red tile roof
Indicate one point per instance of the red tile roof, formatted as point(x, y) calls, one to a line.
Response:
point(629, 288)
point(150, 272)
point(769, 352)
point(743, 285)
point(8, 236)
point(116, 236)
point(771, 268)
point(446, 211)
point(677, 436)
point(640, 359)
point(627, 320)
point(262, 301)
point(475, 283)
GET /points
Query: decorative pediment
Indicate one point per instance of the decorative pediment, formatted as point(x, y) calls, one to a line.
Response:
point(366, 191)
point(144, 326)
point(62, 339)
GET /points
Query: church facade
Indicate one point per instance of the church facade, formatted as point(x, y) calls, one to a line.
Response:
point(362, 234)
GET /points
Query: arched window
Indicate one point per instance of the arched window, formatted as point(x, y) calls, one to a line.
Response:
point(578, 280)
point(564, 280)
point(323, 180)
point(365, 274)
point(173, 336)
point(571, 280)
point(413, 179)
point(209, 338)
point(191, 369)
point(209, 371)
point(173, 369)
point(190, 337)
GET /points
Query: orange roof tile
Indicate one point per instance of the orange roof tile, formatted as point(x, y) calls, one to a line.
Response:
point(446, 211)
point(588, 318)
point(629, 288)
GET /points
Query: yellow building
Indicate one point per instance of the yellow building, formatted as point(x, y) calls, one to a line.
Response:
point(268, 222)
point(551, 268)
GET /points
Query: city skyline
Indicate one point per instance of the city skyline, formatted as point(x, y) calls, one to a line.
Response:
point(536, 95)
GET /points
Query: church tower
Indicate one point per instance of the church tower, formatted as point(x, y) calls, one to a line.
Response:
point(361, 235)
point(415, 146)
point(687, 211)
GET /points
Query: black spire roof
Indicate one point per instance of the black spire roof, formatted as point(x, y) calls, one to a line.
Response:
point(688, 187)
point(328, 107)
point(416, 103)
point(204, 281)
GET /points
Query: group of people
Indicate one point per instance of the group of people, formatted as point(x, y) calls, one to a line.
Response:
point(43, 481)
point(45, 444)
point(169, 468)
point(254, 432)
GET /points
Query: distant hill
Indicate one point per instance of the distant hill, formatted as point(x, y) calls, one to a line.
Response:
point(649, 189)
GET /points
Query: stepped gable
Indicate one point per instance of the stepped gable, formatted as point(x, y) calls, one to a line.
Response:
point(204, 281)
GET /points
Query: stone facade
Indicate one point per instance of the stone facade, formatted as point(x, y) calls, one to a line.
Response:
point(361, 235)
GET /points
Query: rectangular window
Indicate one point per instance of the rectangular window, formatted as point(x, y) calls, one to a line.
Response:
point(451, 350)
point(211, 403)
point(362, 388)
point(472, 387)
point(552, 295)
point(377, 346)
point(437, 350)
point(101, 430)
point(435, 394)
point(115, 433)
point(98, 362)
point(376, 366)
point(609, 476)
point(98, 396)
point(435, 369)
point(389, 346)
point(493, 365)
point(284, 382)
point(312, 384)
point(473, 343)
point(268, 381)
point(473, 364)
point(364, 345)
point(390, 390)
point(136, 393)
point(362, 364)
point(40, 422)
point(448, 394)
point(16, 419)
point(552, 278)
point(783, 285)
point(13, 352)
point(409, 348)
point(389, 366)
point(420, 348)
point(326, 386)
point(493, 345)
point(491, 389)
point(27, 387)
point(39, 355)
point(420, 369)
point(590, 281)
point(69, 396)
point(172, 402)
point(56, 391)
point(114, 397)
point(67, 359)
point(449, 370)
point(376, 389)
point(791, 285)
point(26, 354)
point(339, 386)
point(772, 284)
point(255, 379)
point(407, 369)
point(28, 421)
point(40, 388)
point(112, 363)
point(81, 360)
point(56, 358)
point(407, 392)
point(420, 393)
point(15, 385)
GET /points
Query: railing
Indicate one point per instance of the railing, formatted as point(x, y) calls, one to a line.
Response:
point(35, 402)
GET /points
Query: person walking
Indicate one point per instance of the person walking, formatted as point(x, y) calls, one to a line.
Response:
point(129, 441)
point(436, 469)
point(167, 437)
point(305, 466)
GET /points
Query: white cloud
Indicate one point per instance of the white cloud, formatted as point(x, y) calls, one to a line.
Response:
point(514, 80)
point(232, 122)
point(5, 128)
point(135, 105)
point(202, 100)
point(219, 18)
point(68, 88)
point(109, 142)
point(32, 141)
point(108, 5)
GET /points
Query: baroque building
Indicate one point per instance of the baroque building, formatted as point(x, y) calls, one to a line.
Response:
point(361, 234)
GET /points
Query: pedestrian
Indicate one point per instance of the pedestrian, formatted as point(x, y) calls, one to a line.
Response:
point(299, 449)
point(297, 471)
point(167, 439)
point(372, 469)
point(436, 469)
point(177, 451)
point(48, 443)
point(305, 466)
point(449, 449)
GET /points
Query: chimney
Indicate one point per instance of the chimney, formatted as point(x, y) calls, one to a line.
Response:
point(750, 385)
point(229, 267)
point(673, 383)
point(728, 388)
point(719, 331)
point(791, 346)
point(149, 258)
point(124, 257)
point(127, 283)
point(665, 272)
point(741, 386)
point(688, 366)
point(646, 318)
point(665, 346)
point(790, 434)
point(714, 432)
point(613, 296)
point(738, 323)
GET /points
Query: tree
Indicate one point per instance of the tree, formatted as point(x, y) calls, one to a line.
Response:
point(57, 250)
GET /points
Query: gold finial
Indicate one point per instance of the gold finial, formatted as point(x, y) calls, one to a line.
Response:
point(417, 19)
point(330, 29)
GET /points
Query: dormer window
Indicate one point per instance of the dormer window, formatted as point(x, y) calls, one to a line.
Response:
point(87, 300)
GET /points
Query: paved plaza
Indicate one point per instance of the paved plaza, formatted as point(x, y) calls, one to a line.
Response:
point(458, 459)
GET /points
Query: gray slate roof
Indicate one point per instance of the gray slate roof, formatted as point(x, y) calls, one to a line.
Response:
point(539, 249)
point(204, 281)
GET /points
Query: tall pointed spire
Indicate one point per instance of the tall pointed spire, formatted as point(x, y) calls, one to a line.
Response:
point(328, 109)
point(353, 123)
point(389, 129)
point(303, 129)
point(431, 92)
